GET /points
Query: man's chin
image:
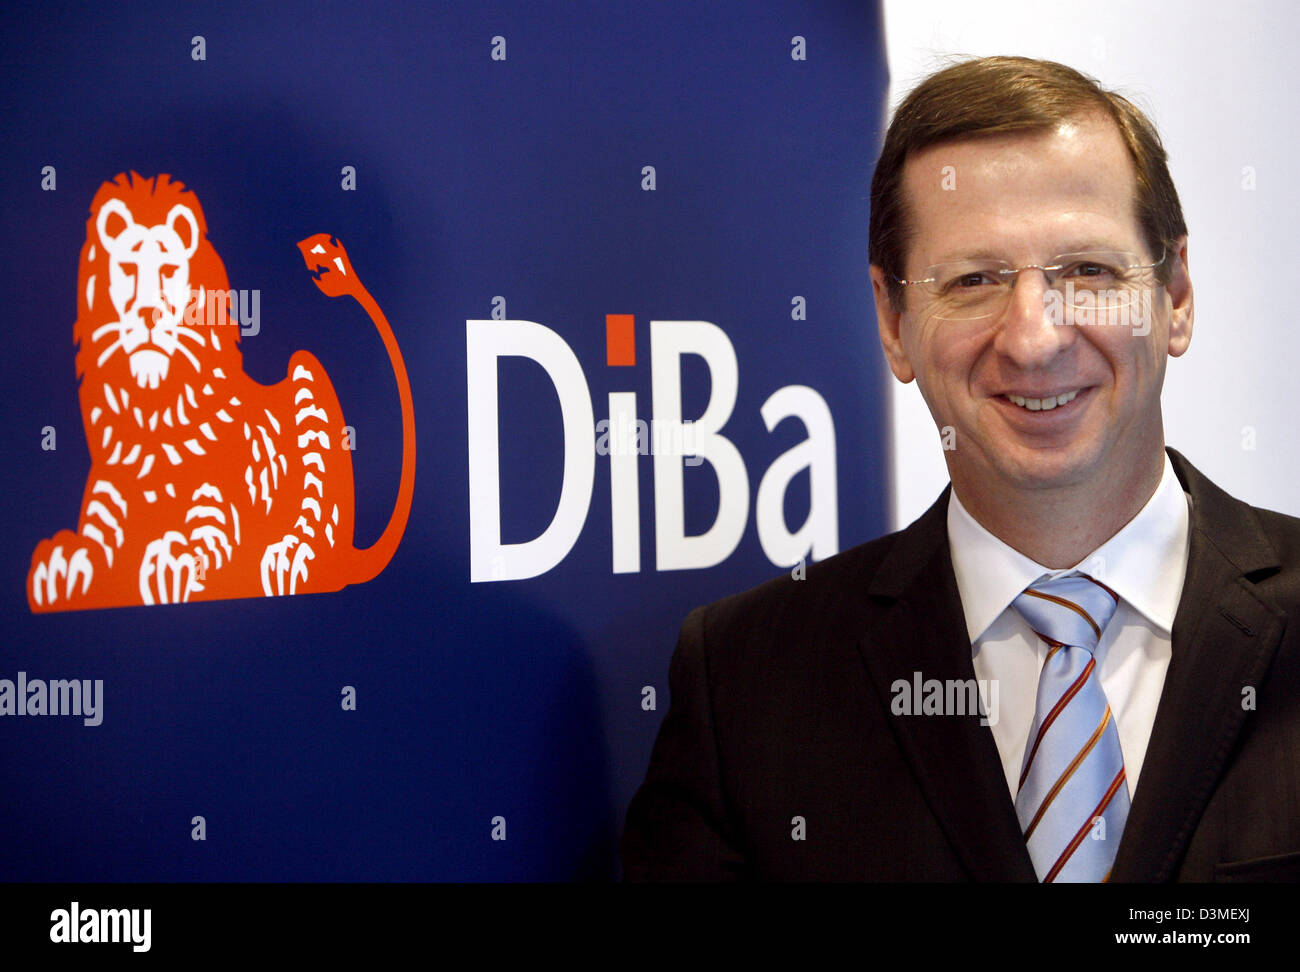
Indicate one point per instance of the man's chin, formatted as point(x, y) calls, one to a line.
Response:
point(1043, 468)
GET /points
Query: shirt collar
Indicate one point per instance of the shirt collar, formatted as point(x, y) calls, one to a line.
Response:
point(1144, 563)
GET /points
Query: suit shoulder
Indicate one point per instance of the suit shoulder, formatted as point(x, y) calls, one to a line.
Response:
point(832, 595)
point(1283, 532)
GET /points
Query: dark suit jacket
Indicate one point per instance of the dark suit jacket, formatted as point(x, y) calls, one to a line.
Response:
point(781, 708)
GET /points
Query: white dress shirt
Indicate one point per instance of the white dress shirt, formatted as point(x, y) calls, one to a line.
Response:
point(1145, 563)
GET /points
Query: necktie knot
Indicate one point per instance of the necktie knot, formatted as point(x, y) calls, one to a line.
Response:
point(1071, 610)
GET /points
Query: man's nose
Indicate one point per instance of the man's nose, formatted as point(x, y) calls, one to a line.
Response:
point(1028, 333)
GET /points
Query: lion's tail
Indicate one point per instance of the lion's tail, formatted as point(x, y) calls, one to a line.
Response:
point(371, 561)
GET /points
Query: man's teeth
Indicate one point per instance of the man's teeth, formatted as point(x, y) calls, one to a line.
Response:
point(1043, 404)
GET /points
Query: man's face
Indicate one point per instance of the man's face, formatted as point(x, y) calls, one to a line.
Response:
point(1026, 198)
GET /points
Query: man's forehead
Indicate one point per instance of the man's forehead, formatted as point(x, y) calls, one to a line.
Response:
point(1077, 147)
point(1074, 177)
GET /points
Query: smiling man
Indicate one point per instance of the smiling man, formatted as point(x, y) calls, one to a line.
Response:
point(1124, 619)
point(1058, 431)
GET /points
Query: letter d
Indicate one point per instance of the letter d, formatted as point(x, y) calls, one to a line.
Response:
point(485, 342)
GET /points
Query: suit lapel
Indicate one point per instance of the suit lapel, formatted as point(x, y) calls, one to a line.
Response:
point(921, 629)
point(1224, 638)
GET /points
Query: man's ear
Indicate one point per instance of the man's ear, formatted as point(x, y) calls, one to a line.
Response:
point(1179, 289)
point(890, 321)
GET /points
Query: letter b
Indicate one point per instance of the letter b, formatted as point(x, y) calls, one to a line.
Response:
point(669, 340)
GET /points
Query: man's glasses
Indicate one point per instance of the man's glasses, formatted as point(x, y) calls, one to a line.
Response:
point(1108, 283)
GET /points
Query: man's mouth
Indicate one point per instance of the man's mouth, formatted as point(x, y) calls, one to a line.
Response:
point(1043, 404)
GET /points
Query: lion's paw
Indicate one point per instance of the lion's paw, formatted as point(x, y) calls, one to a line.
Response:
point(284, 563)
point(61, 572)
point(171, 571)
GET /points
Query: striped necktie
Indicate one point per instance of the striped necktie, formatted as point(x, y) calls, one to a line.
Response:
point(1073, 798)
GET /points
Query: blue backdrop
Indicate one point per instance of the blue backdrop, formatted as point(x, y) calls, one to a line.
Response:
point(477, 177)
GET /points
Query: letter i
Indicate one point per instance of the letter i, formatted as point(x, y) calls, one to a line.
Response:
point(624, 497)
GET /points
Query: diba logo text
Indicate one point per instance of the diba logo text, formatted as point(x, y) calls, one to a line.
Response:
point(487, 341)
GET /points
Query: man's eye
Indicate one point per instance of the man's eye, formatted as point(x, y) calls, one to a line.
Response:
point(971, 281)
point(167, 270)
point(1089, 270)
point(128, 268)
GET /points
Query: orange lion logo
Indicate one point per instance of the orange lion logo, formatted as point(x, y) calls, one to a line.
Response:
point(204, 484)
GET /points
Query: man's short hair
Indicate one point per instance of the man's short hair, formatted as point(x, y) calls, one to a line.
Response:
point(996, 95)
